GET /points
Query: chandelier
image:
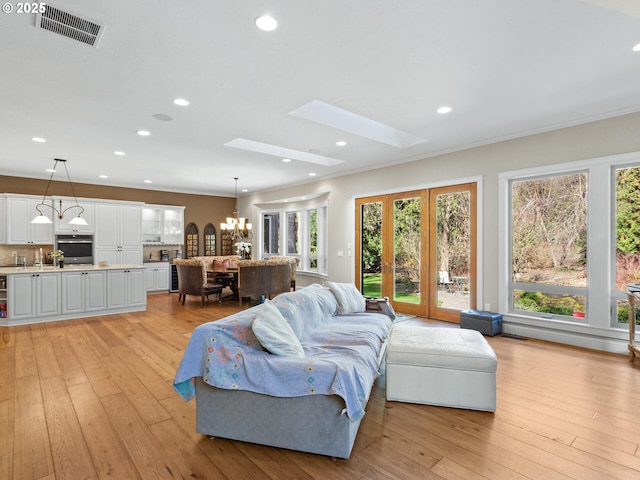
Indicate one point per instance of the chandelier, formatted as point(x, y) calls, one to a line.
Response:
point(42, 218)
point(236, 228)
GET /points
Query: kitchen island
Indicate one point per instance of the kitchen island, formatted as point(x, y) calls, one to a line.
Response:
point(44, 294)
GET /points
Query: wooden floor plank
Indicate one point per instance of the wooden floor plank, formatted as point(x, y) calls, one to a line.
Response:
point(151, 461)
point(110, 457)
point(7, 420)
point(31, 446)
point(69, 450)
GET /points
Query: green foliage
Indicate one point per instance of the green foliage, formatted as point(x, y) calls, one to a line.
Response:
point(539, 302)
point(628, 210)
point(371, 236)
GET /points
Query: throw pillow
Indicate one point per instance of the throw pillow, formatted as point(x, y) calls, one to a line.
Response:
point(219, 266)
point(274, 332)
point(349, 298)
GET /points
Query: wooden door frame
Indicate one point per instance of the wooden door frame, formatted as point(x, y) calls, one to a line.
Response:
point(428, 254)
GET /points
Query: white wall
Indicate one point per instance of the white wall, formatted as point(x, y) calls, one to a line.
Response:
point(605, 137)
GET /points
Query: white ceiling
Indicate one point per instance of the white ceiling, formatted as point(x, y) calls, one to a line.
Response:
point(507, 68)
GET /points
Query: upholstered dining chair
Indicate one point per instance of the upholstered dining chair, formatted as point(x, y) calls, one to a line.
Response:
point(293, 261)
point(192, 280)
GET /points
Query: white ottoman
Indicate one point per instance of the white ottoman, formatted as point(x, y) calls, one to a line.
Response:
point(449, 367)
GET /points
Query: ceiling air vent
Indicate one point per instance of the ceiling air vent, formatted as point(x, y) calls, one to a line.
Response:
point(70, 25)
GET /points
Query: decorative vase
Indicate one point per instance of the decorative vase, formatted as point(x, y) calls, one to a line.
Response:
point(61, 263)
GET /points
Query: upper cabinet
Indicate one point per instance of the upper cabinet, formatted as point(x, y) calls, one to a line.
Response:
point(67, 206)
point(162, 225)
point(20, 211)
point(118, 237)
point(3, 219)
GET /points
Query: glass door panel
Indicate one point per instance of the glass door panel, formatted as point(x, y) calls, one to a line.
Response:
point(371, 241)
point(407, 250)
point(453, 251)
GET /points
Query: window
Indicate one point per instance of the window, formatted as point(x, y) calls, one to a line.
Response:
point(304, 236)
point(569, 246)
point(549, 245)
point(271, 233)
point(627, 253)
point(293, 232)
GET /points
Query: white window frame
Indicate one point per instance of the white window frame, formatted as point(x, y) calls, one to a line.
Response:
point(304, 254)
point(602, 297)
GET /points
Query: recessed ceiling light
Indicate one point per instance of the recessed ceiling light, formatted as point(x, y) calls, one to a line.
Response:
point(286, 160)
point(181, 101)
point(312, 174)
point(51, 170)
point(147, 181)
point(443, 110)
point(245, 190)
point(118, 152)
point(266, 23)
point(104, 176)
point(163, 117)
point(143, 133)
point(38, 139)
point(341, 143)
point(636, 48)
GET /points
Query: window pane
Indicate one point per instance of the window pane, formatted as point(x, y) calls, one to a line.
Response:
point(548, 245)
point(406, 225)
point(313, 240)
point(271, 233)
point(371, 214)
point(627, 236)
point(627, 227)
point(293, 225)
point(453, 250)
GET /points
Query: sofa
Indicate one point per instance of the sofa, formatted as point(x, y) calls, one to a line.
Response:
point(306, 389)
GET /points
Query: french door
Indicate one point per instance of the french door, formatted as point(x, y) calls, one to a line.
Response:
point(418, 249)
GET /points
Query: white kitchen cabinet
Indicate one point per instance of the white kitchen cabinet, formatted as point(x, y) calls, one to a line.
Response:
point(33, 295)
point(20, 211)
point(156, 276)
point(118, 237)
point(62, 225)
point(3, 219)
point(125, 288)
point(162, 225)
point(84, 291)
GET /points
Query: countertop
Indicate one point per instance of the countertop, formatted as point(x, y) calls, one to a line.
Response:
point(67, 268)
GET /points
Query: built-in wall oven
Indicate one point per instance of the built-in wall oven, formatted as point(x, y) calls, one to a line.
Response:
point(78, 249)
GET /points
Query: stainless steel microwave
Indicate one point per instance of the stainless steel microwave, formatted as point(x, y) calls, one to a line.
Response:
point(78, 249)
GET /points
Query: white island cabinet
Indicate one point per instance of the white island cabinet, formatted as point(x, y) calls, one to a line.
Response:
point(84, 291)
point(33, 295)
point(126, 288)
point(36, 295)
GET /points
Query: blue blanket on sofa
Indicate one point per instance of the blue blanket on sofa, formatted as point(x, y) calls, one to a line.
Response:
point(341, 352)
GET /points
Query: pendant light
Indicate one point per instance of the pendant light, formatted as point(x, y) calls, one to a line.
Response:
point(41, 218)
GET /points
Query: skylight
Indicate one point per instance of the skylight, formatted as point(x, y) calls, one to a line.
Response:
point(332, 116)
point(282, 152)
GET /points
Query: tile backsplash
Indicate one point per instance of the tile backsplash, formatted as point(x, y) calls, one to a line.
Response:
point(28, 251)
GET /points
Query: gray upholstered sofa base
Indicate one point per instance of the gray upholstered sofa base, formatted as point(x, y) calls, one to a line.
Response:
point(314, 423)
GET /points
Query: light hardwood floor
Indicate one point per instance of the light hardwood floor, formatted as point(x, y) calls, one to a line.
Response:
point(92, 398)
